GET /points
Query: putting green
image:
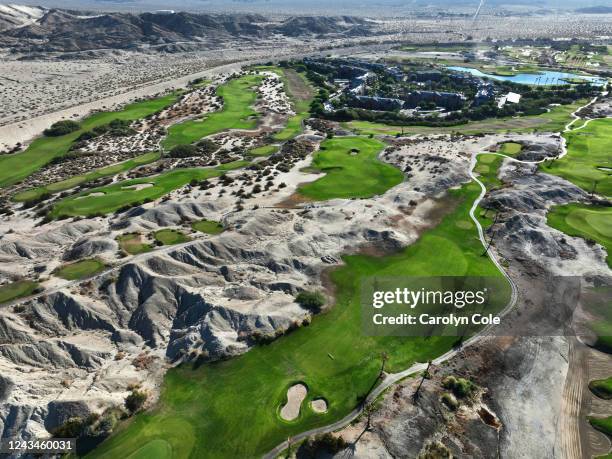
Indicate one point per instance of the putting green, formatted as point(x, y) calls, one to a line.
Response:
point(588, 163)
point(170, 237)
point(106, 199)
point(132, 244)
point(352, 170)
point(238, 96)
point(41, 151)
point(158, 449)
point(208, 227)
point(232, 405)
point(80, 269)
point(9, 292)
point(114, 169)
point(589, 222)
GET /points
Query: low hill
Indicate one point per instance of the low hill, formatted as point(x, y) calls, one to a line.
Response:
point(67, 31)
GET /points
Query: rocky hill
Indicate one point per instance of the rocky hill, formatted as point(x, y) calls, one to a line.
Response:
point(13, 16)
point(41, 30)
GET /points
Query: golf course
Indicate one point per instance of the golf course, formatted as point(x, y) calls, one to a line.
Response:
point(41, 151)
point(107, 199)
point(238, 96)
point(199, 404)
point(588, 163)
point(589, 222)
point(108, 171)
point(352, 170)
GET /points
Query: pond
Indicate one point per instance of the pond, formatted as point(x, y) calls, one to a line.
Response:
point(541, 78)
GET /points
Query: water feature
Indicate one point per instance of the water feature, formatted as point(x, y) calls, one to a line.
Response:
point(546, 77)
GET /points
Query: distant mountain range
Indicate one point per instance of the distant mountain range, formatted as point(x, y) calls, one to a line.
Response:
point(44, 30)
point(595, 10)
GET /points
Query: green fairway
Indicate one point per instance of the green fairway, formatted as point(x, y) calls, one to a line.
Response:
point(589, 222)
point(13, 290)
point(602, 388)
point(80, 269)
point(170, 237)
point(41, 151)
point(132, 244)
point(208, 227)
point(588, 163)
point(106, 199)
point(229, 408)
point(238, 95)
point(602, 424)
point(352, 170)
point(76, 180)
point(553, 121)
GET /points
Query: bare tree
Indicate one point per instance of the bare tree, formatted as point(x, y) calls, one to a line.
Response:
point(415, 396)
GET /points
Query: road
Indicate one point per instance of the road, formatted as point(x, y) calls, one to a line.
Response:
point(26, 130)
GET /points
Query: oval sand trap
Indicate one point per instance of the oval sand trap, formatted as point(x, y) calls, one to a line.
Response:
point(137, 187)
point(319, 405)
point(295, 396)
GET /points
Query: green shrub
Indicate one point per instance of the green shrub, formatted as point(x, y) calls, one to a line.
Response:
point(183, 151)
point(450, 401)
point(135, 401)
point(62, 128)
point(313, 301)
point(461, 387)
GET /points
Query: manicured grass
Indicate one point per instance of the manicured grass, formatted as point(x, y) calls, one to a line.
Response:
point(9, 292)
point(553, 121)
point(602, 388)
point(265, 150)
point(588, 151)
point(158, 449)
point(589, 222)
point(170, 237)
point(293, 128)
point(230, 408)
point(35, 193)
point(510, 149)
point(602, 424)
point(238, 96)
point(121, 194)
point(41, 151)
point(80, 269)
point(208, 226)
point(132, 243)
point(487, 167)
point(352, 170)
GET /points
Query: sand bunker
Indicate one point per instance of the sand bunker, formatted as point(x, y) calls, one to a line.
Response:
point(319, 405)
point(91, 195)
point(137, 187)
point(295, 396)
